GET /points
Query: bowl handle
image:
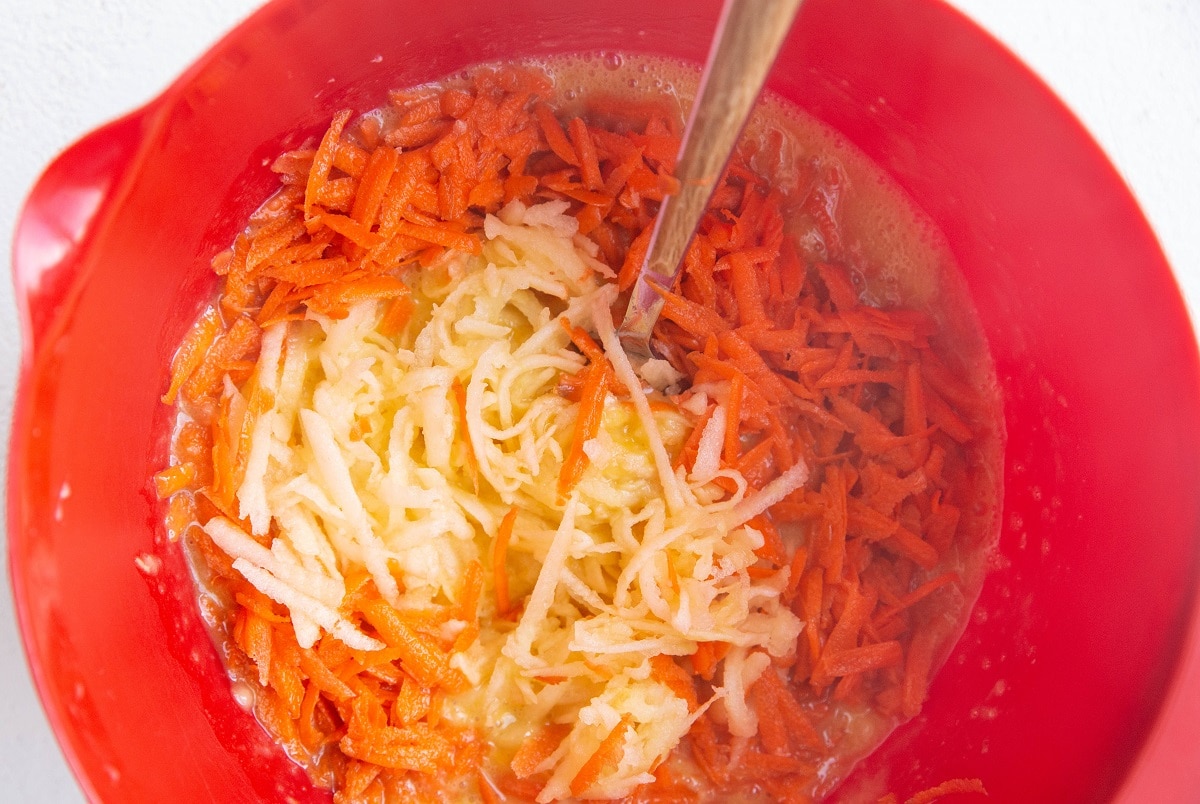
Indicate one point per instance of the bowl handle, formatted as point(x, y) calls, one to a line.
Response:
point(60, 216)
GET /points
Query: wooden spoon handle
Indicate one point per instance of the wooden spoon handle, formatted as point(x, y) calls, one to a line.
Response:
point(747, 40)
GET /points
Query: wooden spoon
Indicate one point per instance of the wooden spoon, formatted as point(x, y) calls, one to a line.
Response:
point(747, 40)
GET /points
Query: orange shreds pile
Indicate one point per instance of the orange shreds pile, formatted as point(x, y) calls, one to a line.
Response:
point(812, 374)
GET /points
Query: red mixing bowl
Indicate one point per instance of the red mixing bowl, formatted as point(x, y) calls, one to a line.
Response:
point(1078, 678)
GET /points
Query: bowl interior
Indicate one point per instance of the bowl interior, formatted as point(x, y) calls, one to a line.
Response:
point(1060, 674)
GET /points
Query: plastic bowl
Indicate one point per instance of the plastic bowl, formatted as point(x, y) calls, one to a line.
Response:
point(1078, 678)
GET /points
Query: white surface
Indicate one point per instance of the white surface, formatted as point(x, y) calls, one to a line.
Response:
point(1130, 70)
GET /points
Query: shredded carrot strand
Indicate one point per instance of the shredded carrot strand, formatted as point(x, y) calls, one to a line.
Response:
point(917, 667)
point(556, 138)
point(604, 757)
point(174, 479)
point(419, 656)
point(373, 186)
point(634, 259)
point(664, 670)
point(487, 791)
point(583, 341)
point(585, 150)
point(323, 160)
point(396, 318)
point(537, 747)
point(472, 588)
point(733, 420)
point(459, 392)
point(500, 561)
point(949, 787)
point(587, 426)
point(867, 657)
point(191, 352)
point(915, 596)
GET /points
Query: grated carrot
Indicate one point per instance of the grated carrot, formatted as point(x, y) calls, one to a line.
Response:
point(321, 677)
point(351, 159)
point(915, 596)
point(604, 758)
point(500, 561)
point(947, 788)
point(439, 235)
point(583, 341)
point(771, 731)
point(323, 160)
point(537, 747)
point(844, 635)
point(419, 656)
point(174, 479)
point(310, 736)
point(746, 292)
point(411, 704)
point(773, 549)
point(733, 420)
point(941, 525)
point(836, 517)
point(664, 670)
point(585, 151)
point(862, 659)
point(191, 352)
point(377, 175)
point(487, 790)
point(687, 453)
point(459, 393)
point(470, 592)
point(634, 259)
point(587, 426)
point(706, 656)
point(399, 311)
point(256, 641)
point(556, 138)
point(693, 318)
point(783, 705)
point(708, 751)
point(236, 343)
point(917, 666)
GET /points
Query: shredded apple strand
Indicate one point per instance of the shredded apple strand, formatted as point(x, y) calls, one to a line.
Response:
point(810, 373)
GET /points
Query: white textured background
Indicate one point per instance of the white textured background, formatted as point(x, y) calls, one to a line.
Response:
point(1130, 71)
